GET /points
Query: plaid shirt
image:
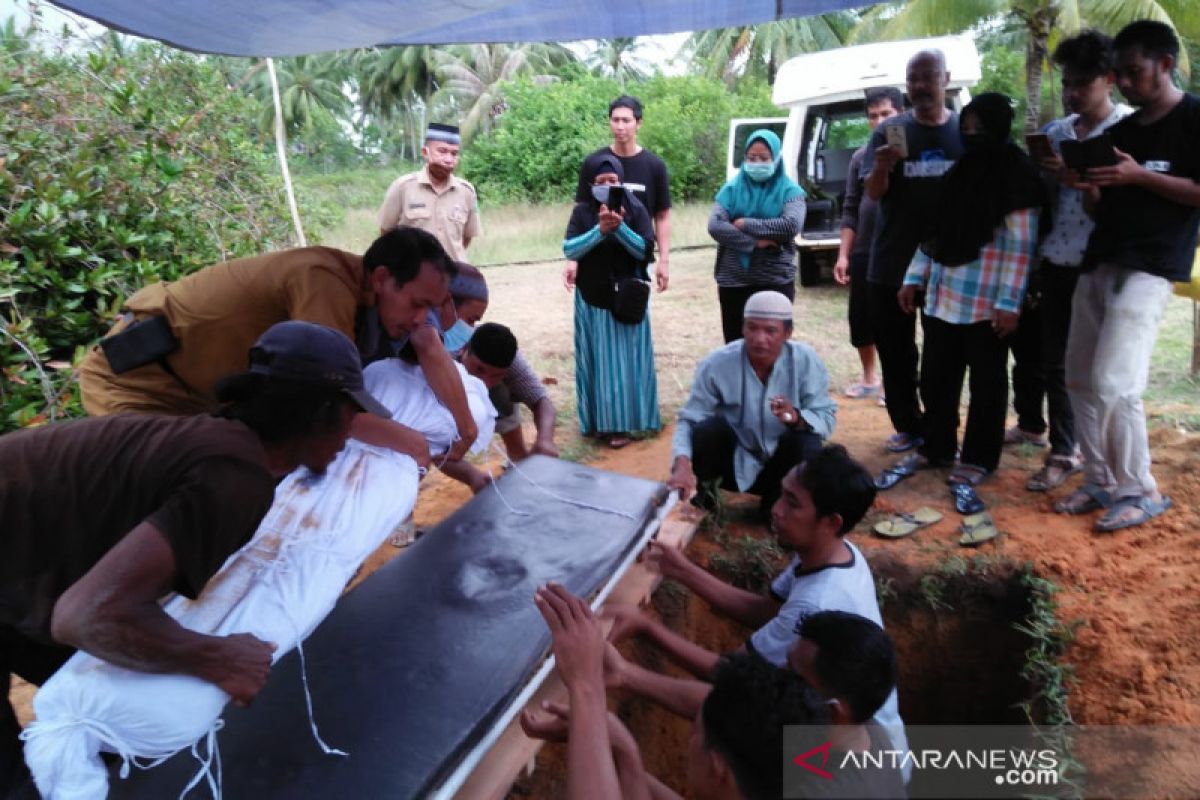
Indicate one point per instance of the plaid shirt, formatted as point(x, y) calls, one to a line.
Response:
point(968, 293)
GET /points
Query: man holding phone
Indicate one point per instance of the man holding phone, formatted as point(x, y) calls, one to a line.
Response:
point(1039, 348)
point(906, 159)
point(1147, 213)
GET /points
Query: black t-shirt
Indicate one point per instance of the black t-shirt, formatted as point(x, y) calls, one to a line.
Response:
point(70, 491)
point(645, 174)
point(1140, 229)
point(906, 211)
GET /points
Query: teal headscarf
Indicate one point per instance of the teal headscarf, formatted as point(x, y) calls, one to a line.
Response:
point(742, 197)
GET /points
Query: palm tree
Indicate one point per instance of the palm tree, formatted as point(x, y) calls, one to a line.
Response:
point(617, 59)
point(470, 77)
point(308, 85)
point(1043, 21)
point(395, 84)
point(760, 50)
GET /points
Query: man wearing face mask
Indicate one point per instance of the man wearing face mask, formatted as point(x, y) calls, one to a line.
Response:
point(434, 198)
point(518, 385)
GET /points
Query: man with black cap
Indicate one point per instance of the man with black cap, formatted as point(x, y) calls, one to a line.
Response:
point(434, 198)
point(103, 517)
point(758, 406)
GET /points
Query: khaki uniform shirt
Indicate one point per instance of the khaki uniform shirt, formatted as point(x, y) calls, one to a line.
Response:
point(217, 314)
point(452, 215)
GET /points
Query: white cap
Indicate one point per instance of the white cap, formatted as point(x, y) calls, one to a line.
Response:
point(768, 305)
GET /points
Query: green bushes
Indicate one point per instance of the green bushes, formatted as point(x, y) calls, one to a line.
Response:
point(118, 166)
point(534, 152)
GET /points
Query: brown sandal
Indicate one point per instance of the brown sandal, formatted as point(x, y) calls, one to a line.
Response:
point(1056, 470)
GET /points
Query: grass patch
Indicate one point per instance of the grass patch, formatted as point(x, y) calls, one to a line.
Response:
point(748, 562)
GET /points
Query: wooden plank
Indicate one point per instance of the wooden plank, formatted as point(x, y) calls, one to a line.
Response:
point(514, 751)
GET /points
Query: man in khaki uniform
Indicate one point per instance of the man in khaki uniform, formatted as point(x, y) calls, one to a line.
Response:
point(435, 199)
point(179, 337)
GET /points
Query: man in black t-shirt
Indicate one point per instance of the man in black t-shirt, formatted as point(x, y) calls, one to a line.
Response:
point(100, 518)
point(906, 186)
point(1147, 212)
point(645, 175)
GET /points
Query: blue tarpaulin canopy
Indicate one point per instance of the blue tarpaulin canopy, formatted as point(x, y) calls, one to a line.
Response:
point(296, 27)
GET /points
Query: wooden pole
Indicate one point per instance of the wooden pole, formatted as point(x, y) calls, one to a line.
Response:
point(281, 151)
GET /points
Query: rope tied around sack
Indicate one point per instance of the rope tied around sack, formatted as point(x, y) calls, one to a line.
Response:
point(561, 498)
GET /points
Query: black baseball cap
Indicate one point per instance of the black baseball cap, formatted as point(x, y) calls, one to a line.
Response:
point(310, 353)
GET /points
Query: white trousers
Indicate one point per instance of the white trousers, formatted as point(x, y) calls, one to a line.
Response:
point(1114, 322)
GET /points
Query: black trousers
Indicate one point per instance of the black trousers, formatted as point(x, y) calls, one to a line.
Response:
point(733, 303)
point(35, 662)
point(1058, 287)
point(950, 352)
point(1028, 375)
point(713, 445)
point(862, 333)
point(896, 342)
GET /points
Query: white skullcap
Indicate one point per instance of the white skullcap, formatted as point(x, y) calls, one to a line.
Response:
point(768, 305)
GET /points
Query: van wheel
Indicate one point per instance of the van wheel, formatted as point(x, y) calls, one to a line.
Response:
point(810, 268)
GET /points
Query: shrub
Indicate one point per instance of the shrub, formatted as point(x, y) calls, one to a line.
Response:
point(534, 152)
point(119, 166)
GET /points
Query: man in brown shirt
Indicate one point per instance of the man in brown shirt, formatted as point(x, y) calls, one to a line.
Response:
point(380, 299)
point(100, 518)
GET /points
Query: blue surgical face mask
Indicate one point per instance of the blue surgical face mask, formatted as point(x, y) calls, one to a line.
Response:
point(457, 336)
point(601, 193)
point(758, 171)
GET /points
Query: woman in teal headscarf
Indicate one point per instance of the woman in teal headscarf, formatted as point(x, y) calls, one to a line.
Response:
point(755, 221)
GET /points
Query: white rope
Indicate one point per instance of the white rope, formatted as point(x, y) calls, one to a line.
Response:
point(561, 498)
point(312, 722)
point(206, 764)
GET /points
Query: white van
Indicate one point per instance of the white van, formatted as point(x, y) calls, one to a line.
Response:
point(828, 122)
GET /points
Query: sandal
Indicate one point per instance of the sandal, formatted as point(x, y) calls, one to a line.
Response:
point(902, 442)
point(968, 474)
point(1146, 507)
point(858, 390)
point(1084, 500)
point(1056, 470)
point(617, 441)
point(965, 499)
point(977, 529)
point(904, 468)
point(1015, 435)
point(902, 525)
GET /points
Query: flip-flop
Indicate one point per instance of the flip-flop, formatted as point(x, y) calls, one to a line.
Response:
point(965, 499)
point(1056, 470)
point(902, 525)
point(968, 474)
point(1149, 509)
point(977, 529)
point(902, 442)
point(859, 390)
point(904, 468)
point(1084, 500)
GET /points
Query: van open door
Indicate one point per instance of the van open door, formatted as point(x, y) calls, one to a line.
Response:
point(739, 131)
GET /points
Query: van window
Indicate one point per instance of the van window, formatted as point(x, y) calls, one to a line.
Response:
point(742, 132)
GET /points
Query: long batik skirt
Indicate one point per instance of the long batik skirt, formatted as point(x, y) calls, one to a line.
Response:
point(616, 389)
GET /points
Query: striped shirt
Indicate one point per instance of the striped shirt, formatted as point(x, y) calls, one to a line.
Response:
point(967, 294)
point(768, 266)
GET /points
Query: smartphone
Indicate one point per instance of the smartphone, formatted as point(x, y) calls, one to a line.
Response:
point(1038, 145)
point(897, 137)
point(616, 199)
point(1095, 152)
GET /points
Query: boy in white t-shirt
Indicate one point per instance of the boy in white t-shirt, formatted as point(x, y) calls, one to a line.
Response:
point(822, 499)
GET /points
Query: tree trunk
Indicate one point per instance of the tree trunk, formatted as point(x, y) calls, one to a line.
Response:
point(1039, 23)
